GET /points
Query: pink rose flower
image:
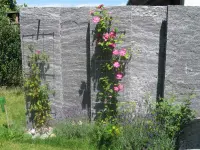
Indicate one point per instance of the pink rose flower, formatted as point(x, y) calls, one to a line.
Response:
point(115, 52)
point(116, 88)
point(122, 52)
point(120, 87)
point(91, 12)
point(96, 19)
point(100, 6)
point(119, 76)
point(113, 45)
point(112, 34)
point(106, 37)
point(37, 52)
point(116, 64)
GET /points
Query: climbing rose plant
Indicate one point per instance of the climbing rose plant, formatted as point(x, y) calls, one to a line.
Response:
point(113, 58)
point(36, 91)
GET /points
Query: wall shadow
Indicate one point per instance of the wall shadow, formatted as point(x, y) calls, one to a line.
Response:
point(84, 90)
point(161, 61)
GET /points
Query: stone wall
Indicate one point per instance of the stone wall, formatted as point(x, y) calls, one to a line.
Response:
point(160, 37)
point(183, 53)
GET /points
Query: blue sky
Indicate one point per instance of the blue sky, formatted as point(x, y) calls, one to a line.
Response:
point(66, 3)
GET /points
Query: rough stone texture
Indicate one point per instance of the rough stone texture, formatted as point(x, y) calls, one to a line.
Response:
point(71, 50)
point(74, 24)
point(182, 64)
point(182, 57)
point(146, 24)
point(50, 22)
point(142, 26)
point(122, 16)
point(67, 50)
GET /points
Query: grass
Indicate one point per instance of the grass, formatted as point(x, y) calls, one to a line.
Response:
point(15, 105)
point(141, 133)
point(69, 145)
point(14, 137)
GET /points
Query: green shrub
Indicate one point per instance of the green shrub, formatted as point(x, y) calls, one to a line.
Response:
point(144, 133)
point(106, 136)
point(141, 133)
point(158, 130)
point(173, 115)
point(10, 53)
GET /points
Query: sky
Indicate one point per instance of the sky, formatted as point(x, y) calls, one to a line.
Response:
point(78, 3)
point(192, 2)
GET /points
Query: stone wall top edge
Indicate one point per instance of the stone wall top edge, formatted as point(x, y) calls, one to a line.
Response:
point(145, 6)
point(89, 7)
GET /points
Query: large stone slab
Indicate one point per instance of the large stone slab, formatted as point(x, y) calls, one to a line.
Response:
point(121, 20)
point(49, 23)
point(183, 55)
point(147, 38)
point(74, 25)
point(143, 35)
point(71, 51)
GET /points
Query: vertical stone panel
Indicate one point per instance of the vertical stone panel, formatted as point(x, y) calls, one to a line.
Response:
point(146, 23)
point(182, 59)
point(142, 25)
point(122, 21)
point(49, 23)
point(74, 24)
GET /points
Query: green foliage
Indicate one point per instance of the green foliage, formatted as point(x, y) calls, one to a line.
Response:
point(15, 107)
point(108, 39)
point(106, 135)
point(10, 53)
point(174, 115)
point(141, 133)
point(16, 138)
point(145, 133)
point(8, 5)
point(36, 91)
point(136, 134)
point(72, 130)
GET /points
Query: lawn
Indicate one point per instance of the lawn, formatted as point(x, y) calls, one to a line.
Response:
point(14, 138)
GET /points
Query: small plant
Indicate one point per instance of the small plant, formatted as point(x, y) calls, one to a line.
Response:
point(145, 133)
point(72, 130)
point(37, 91)
point(174, 116)
point(106, 135)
